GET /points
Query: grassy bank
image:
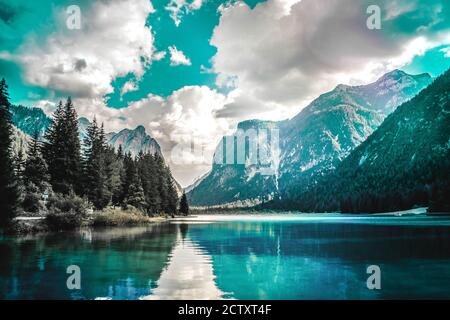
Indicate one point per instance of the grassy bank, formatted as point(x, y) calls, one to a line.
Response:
point(32, 224)
point(119, 217)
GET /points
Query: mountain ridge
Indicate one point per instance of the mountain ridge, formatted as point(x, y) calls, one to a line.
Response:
point(317, 138)
point(31, 119)
point(404, 163)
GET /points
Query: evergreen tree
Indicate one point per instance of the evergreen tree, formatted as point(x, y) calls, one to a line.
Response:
point(161, 183)
point(73, 152)
point(153, 194)
point(184, 206)
point(8, 184)
point(62, 149)
point(127, 176)
point(172, 196)
point(35, 170)
point(19, 165)
point(136, 196)
point(112, 171)
point(95, 172)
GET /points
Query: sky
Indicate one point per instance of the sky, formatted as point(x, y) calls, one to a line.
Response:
point(190, 70)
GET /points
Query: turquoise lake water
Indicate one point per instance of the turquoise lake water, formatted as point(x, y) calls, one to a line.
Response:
point(235, 257)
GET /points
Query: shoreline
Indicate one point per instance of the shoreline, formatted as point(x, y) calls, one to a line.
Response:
point(25, 225)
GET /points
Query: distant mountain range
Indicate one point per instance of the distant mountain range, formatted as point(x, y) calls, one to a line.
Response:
point(312, 143)
point(404, 163)
point(30, 120)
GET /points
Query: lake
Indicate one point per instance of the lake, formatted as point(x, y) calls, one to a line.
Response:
point(236, 257)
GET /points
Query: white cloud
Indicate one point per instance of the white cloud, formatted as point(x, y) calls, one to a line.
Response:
point(178, 8)
point(177, 57)
point(185, 118)
point(129, 86)
point(283, 53)
point(159, 55)
point(84, 62)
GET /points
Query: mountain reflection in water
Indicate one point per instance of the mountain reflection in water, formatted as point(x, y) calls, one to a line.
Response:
point(189, 274)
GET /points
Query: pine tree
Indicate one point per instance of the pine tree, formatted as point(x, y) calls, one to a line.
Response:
point(95, 171)
point(153, 195)
point(127, 175)
point(72, 154)
point(19, 165)
point(112, 171)
point(136, 196)
point(161, 183)
point(35, 171)
point(62, 150)
point(172, 196)
point(184, 206)
point(8, 183)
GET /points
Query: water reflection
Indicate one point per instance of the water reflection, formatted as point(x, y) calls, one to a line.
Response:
point(290, 260)
point(189, 274)
point(252, 259)
point(116, 263)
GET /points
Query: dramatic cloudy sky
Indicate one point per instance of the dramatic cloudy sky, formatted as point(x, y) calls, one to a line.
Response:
point(190, 70)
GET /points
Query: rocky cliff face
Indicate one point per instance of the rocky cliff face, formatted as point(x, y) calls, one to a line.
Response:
point(312, 143)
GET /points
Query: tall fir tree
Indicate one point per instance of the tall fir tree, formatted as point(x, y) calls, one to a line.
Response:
point(172, 196)
point(35, 171)
point(136, 196)
point(62, 149)
point(161, 183)
point(19, 165)
point(184, 205)
point(95, 171)
point(73, 151)
point(8, 183)
point(129, 168)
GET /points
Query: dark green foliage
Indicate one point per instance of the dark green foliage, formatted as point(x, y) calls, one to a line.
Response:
point(62, 150)
point(19, 165)
point(32, 199)
point(101, 175)
point(184, 206)
point(8, 184)
point(65, 211)
point(158, 184)
point(405, 163)
point(135, 196)
point(97, 167)
point(172, 196)
point(35, 168)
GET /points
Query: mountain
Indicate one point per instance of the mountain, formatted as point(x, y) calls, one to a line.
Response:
point(83, 125)
point(30, 119)
point(327, 130)
point(244, 170)
point(404, 163)
point(134, 141)
point(313, 142)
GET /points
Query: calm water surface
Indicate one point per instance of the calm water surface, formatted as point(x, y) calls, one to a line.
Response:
point(237, 257)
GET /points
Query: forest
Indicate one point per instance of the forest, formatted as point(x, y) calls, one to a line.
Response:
point(64, 178)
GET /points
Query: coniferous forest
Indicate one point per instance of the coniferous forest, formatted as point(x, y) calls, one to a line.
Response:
point(65, 178)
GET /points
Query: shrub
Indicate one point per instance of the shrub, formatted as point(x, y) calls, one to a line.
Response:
point(32, 199)
point(66, 212)
point(120, 217)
